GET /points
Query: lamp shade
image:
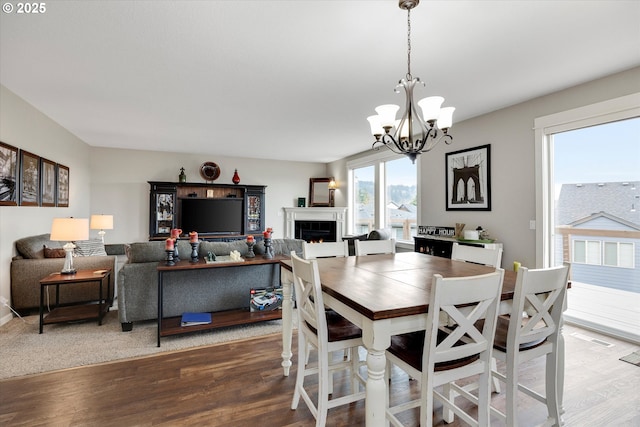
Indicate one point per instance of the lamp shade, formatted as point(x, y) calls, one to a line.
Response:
point(101, 222)
point(430, 107)
point(376, 127)
point(445, 119)
point(387, 114)
point(70, 229)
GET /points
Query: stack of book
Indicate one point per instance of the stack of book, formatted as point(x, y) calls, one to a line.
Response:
point(192, 319)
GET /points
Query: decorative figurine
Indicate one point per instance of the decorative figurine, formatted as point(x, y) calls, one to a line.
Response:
point(182, 177)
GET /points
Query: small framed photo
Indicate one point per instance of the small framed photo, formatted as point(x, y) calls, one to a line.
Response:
point(8, 175)
point(48, 178)
point(468, 179)
point(62, 191)
point(302, 202)
point(29, 179)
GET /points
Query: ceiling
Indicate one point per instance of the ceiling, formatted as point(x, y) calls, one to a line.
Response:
point(294, 80)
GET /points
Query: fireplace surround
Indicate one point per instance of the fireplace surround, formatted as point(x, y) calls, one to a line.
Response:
point(314, 224)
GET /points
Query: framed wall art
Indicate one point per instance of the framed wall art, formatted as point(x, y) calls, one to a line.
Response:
point(8, 175)
point(62, 192)
point(48, 178)
point(29, 179)
point(468, 179)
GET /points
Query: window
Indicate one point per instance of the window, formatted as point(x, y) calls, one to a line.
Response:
point(617, 254)
point(383, 194)
point(586, 252)
point(611, 254)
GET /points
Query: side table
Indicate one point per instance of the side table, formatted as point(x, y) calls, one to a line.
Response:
point(69, 313)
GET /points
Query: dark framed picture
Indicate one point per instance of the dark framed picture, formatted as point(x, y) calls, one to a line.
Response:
point(302, 202)
point(468, 179)
point(8, 175)
point(62, 191)
point(48, 178)
point(29, 179)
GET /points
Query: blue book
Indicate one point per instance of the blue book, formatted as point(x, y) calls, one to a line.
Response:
point(191, 319)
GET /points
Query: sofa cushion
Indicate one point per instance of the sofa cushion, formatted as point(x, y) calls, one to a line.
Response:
point(32, 247)
point(145, 251)
point(93, 247)
point(53, 252)
point(223, 248)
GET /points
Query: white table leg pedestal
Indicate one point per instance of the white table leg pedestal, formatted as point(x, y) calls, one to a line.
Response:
point(376, 339)
point(287, 318)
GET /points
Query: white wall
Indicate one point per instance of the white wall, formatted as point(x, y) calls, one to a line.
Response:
point(119, 184)
point(26, 128)
point(510, 133)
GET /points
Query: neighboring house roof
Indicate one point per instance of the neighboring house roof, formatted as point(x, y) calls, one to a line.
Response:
point(616, 199)
point(604, 221)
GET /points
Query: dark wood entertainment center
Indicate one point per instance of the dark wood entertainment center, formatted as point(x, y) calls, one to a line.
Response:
point(165, 199)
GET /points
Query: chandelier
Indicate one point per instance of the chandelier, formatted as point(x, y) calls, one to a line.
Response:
point(413, 133)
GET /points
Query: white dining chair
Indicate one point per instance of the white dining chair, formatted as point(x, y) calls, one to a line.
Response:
point(478, 255)
point(325, 249)
point(438, 358)
point(326, 332)
point(540, 294)
point(371, 247)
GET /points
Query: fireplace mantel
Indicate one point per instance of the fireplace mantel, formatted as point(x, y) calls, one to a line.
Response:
point(337, 214)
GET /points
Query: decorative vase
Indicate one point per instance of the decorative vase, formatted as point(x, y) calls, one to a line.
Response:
point(236, 177)
point(250, 253)
point(182, 177)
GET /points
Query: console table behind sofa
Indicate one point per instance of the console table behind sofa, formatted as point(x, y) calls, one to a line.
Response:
point(215, 289)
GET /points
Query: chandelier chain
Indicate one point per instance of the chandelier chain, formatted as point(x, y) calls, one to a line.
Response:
point(409, 44)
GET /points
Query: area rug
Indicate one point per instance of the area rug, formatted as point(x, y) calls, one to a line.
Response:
point(24, 351)
point(633, 358)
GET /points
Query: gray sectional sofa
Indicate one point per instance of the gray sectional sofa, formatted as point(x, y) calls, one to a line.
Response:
point(215, 289)
point(30, 265)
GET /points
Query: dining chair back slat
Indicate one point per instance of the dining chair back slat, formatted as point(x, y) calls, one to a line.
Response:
point(478, 255)
point(373, 247)
point(325, 249)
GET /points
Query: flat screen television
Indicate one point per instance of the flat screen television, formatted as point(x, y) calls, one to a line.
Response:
point(212, 216)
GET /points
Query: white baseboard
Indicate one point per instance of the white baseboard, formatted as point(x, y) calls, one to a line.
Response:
point(6, 319)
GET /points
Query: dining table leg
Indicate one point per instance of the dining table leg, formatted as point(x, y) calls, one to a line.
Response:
point(377, 338)
point(286, 279)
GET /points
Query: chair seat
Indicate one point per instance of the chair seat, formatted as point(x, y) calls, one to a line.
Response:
point(340, 329)
point(500, 340)
point(409, 348)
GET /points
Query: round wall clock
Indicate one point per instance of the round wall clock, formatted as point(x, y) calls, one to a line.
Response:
point(210, 171)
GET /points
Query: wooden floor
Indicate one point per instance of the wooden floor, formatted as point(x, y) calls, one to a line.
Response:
point(241, 384)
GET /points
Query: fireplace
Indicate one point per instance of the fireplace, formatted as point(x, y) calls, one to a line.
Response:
point(317, 223)
point(316, 231)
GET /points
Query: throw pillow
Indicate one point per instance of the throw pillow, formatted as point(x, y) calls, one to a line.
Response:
point(53, 252)
point(93, 247)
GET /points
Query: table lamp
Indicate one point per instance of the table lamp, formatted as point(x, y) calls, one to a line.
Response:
point(69, 230)
point(101, 222)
